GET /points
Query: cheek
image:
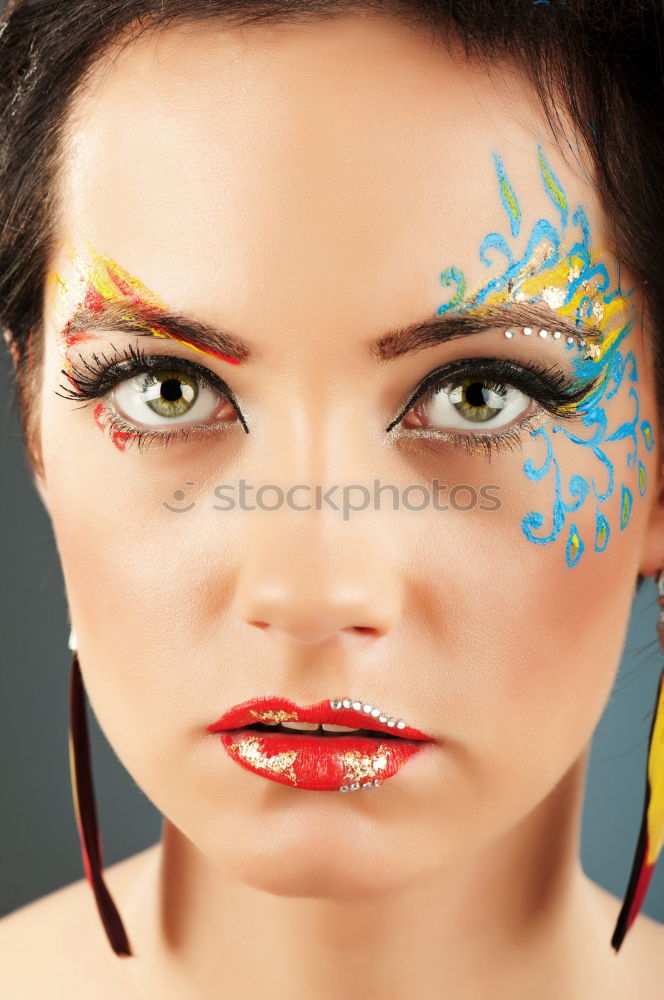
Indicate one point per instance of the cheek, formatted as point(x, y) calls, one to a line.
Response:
point(157, 654)
point(142, 582)
point(527, 640)
point(144, 586)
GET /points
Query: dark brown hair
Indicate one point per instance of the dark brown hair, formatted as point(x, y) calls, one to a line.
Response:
point(596, 62)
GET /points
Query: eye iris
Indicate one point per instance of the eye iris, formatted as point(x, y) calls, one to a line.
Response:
point(170, 394)
point(479, 400)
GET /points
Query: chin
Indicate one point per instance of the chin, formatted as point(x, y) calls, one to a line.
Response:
point(324, 869)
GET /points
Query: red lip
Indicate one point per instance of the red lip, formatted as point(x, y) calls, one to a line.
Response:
point(283, 710)
point(331, 762)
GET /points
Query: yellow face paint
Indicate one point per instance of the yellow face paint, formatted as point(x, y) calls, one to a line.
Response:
point(561, 274)
point(99, 282)
point(537, 282)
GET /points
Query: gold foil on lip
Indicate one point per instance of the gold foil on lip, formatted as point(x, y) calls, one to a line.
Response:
point(252, 750)
point(272, 717)
point(362, 765)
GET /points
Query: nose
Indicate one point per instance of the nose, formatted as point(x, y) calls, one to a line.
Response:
point(303, 577)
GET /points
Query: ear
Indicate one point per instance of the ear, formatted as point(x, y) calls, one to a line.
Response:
point(652, 556)
point(11, 344)
point(14, 353)
point(40, 486)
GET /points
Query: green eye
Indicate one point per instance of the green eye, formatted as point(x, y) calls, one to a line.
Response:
point(169, 393)
point(168, 397)
point(478, 400)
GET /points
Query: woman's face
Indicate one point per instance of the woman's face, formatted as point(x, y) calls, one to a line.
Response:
point(313, 191)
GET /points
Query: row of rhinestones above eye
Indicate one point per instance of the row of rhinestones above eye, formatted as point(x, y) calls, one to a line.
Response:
point(528, 330)
point(375, 713)
point(591, 350)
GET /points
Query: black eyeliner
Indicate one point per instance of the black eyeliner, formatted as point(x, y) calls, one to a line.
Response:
point(96, 379)
point(550, 387)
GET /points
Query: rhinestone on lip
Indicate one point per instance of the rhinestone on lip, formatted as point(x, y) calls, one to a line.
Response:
point(376, 783)
point(375, 713)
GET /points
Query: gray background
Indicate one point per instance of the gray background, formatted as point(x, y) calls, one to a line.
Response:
point(39, 849)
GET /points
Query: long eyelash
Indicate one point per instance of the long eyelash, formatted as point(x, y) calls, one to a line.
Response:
point(551, 388)
point(94, 379)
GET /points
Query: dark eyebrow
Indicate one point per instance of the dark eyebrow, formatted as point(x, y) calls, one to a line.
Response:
point(395, 343)
point(126, 317)
point(449, 326)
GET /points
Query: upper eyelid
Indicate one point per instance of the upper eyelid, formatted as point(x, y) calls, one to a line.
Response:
point(188, 364)
point(449, 369)
point(191, 366)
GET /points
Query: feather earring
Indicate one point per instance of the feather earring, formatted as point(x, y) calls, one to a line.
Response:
point(651, 836)
point(80, 764)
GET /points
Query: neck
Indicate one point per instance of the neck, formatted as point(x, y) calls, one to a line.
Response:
point(518, 911)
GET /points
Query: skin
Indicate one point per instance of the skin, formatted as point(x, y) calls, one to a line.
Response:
point(305, 187)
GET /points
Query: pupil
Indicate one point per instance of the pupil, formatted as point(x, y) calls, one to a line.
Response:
point(171, 390)
point(475, 394)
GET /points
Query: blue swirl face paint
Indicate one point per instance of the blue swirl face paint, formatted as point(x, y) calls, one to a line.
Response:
point(560, 268)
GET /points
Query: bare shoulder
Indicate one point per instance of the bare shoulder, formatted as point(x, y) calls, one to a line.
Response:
point(642, 951)
point(58, 939)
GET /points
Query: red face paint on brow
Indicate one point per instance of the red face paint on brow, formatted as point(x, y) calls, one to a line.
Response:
point(147, 309)
point(79, 337)
point(160, 332)
point(100, 281)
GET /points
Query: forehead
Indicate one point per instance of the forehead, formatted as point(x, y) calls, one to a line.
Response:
point(351, 153)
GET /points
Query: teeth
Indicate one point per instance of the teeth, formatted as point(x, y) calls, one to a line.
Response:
point(301, 725)
point(329, 727)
